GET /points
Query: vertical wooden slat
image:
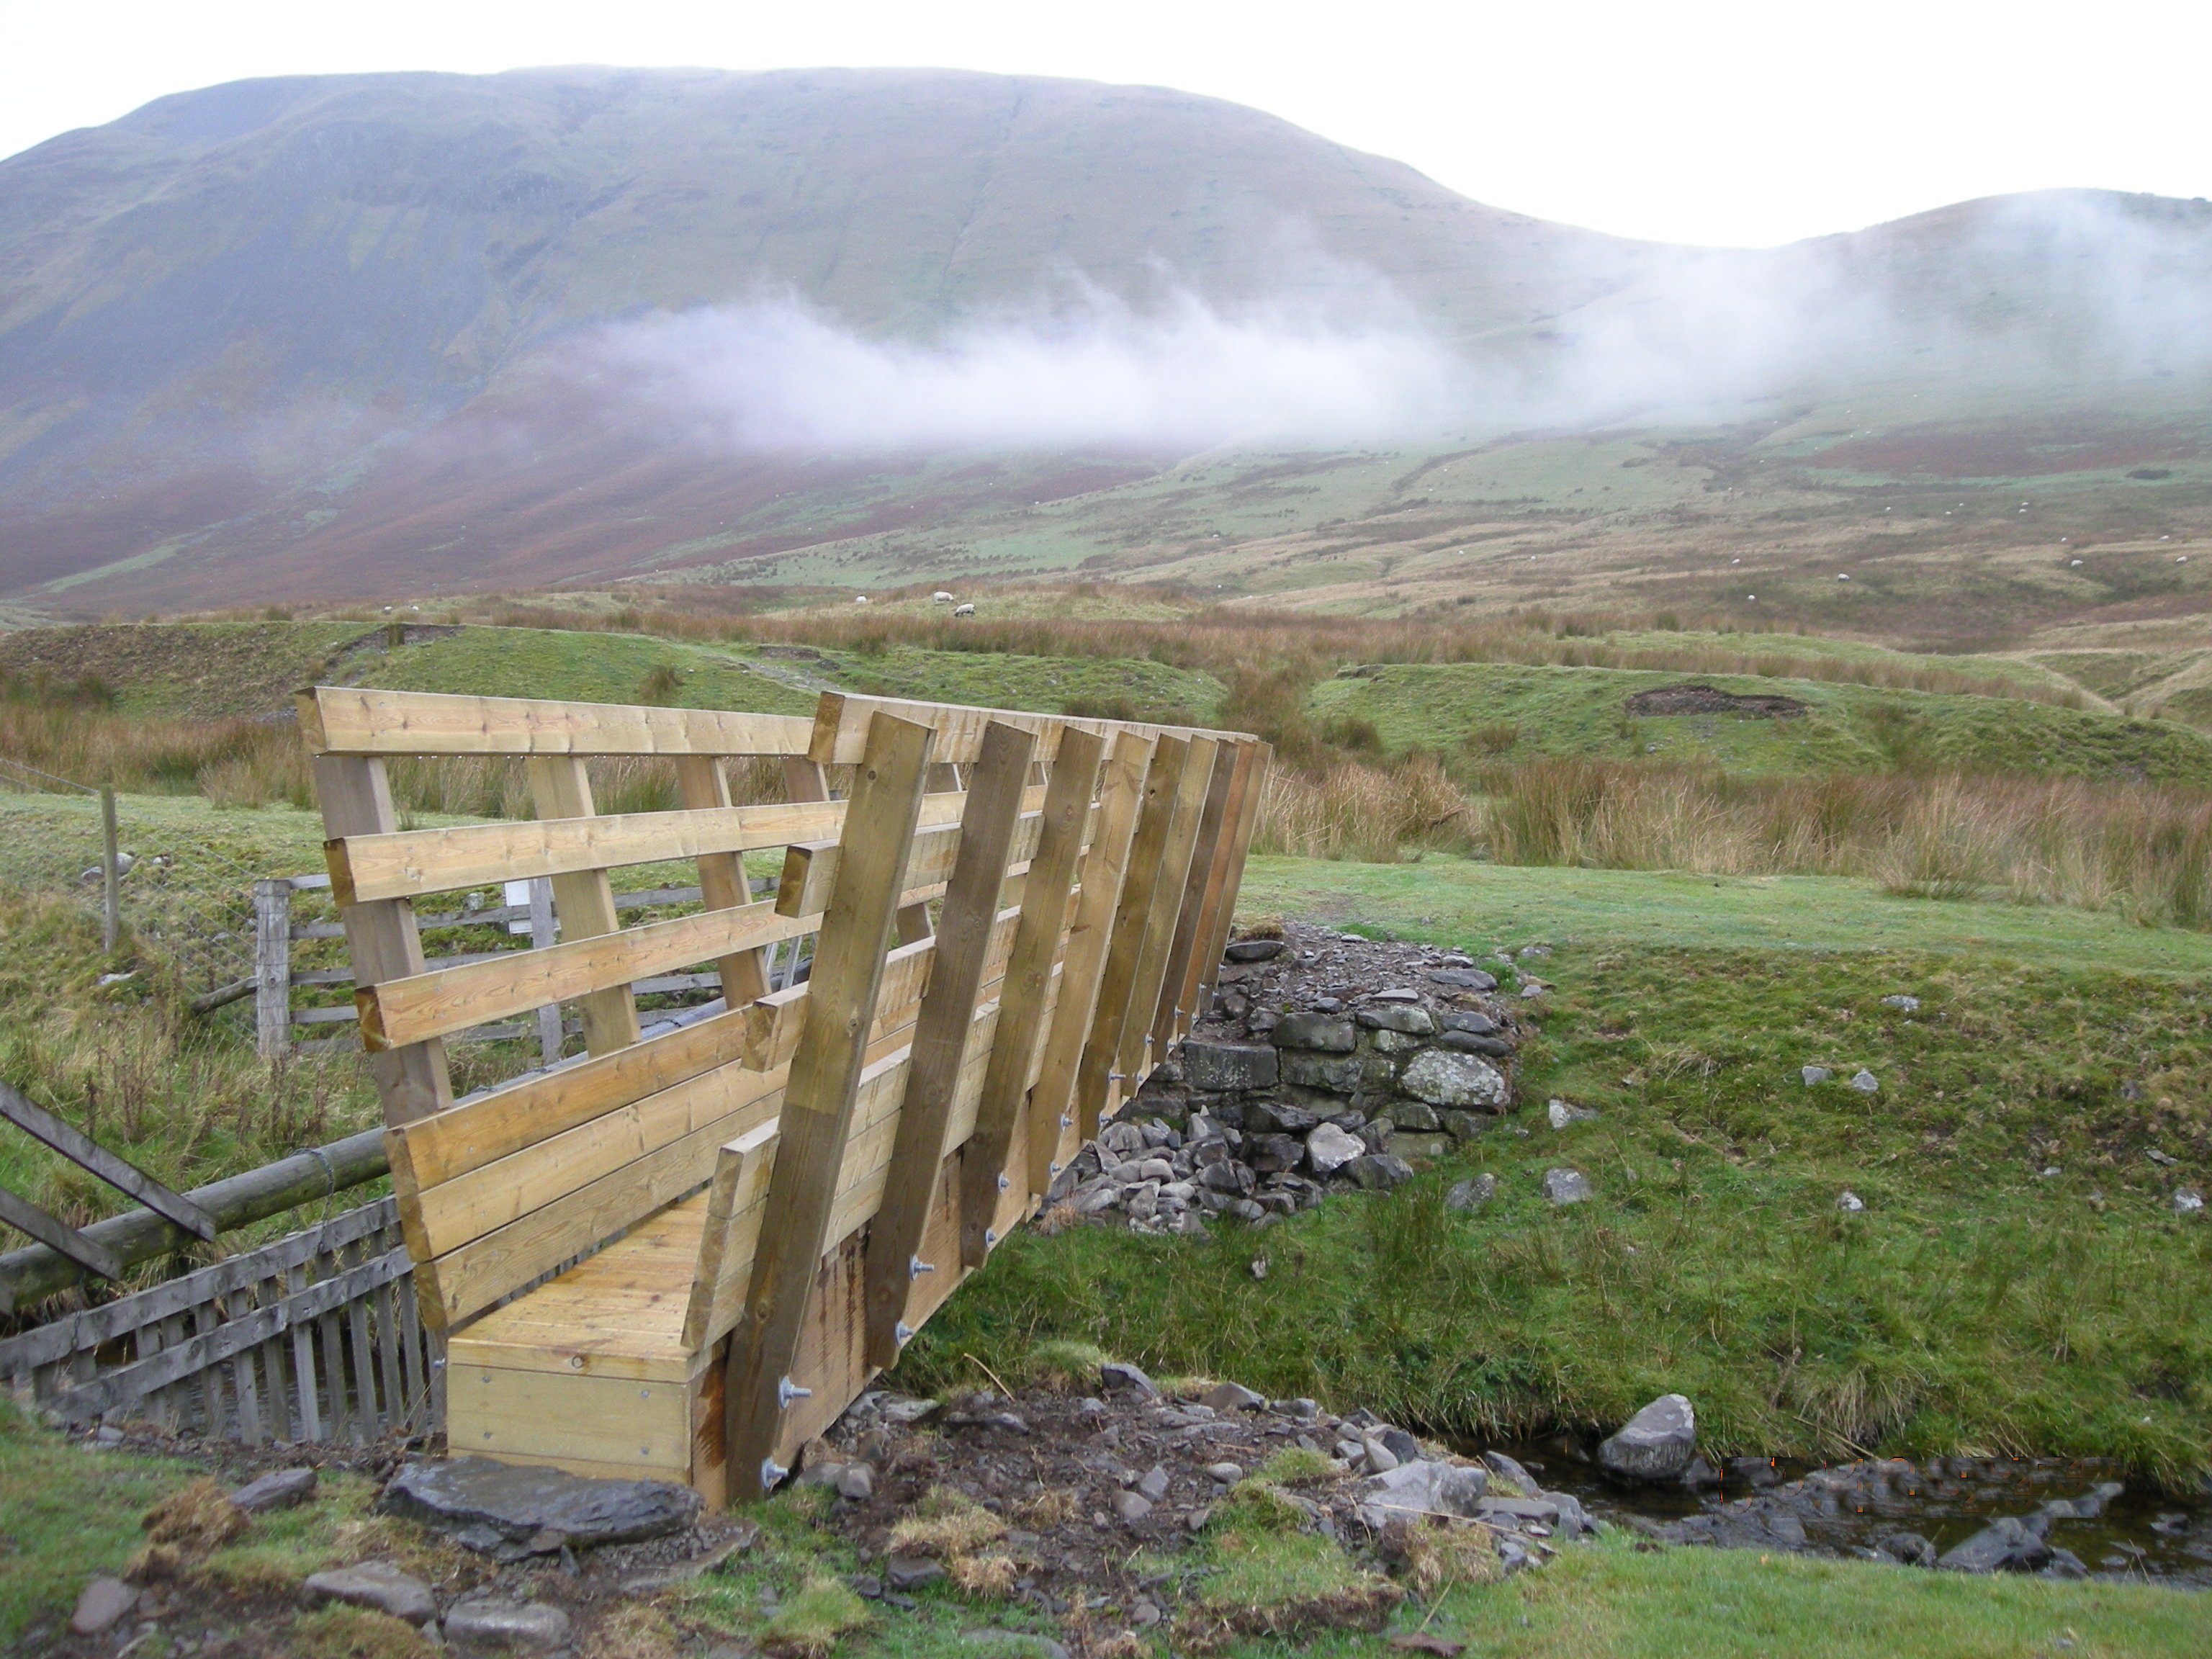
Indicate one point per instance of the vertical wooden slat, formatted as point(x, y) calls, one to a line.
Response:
point(1223, 905)
point(561, 788)
point(275, 1403)
point(818, 1108)
point(1093, 1076)
point(1212, 825)
point(1137, 1056)
point(368, 1423)
point(414, 1362)
point(387, 1355)
point(310, 1410)
point(339, 1422)
point(1119, 796)
point(941, 1029)
point(1037, 937)
point(273, 967)
point(543, 931)
point(411, 1081)
point(722, 884)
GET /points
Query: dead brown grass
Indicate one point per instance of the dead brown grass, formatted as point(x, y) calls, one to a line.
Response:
point(197, 1518)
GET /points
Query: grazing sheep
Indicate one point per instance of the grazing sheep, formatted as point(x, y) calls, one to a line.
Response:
point(963, 610)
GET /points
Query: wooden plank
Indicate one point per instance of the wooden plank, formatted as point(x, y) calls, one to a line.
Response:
point(1215, 937)
point(739, 1191)
point(810, 868)
point(352, 720)
point(841, 727)
point(26, 1217)
point(584, 901)
point(941, 1029)
point(1212, 821)
point(1132, 910)
point(273, 967)
point(818, 1104)
point(722, 883)
point(411, 1079)
point(643, 1427)
point(1084, 961)
point(410, 863)
point(1136, 1056)
point(88, 1154)
point(516, 982)
point(1022, 1024)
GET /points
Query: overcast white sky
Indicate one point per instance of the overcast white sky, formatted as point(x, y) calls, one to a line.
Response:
point(1698, 120)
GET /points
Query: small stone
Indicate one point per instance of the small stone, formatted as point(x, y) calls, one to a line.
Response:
point(1908, 1549)
point(1474, 1023)
point(1461, 1125)
point(1849, 1202)
point(1394, 993)
point(1196, 1519)
point(2188, 1202)
point(279, 1489)
point(1864, 1082)
point(1154, 1485)
point(856, 1481)
point(1228, 1397)
point(1328, 1149)
point(1531, 989)
point(1380, 1460)
point(377, 1585)
point(1117, 1377)
point(1253, 950)
point(1560, 1114)
point(1129, 1507)
point(1655, 1445)
point(1567, 1186)
point(1471, 1042)
point(1315, 1031)
point(1227, 1473)
point(1464, 979)
point(500, 1624)
point(1379, 1171)
point(1471, 1193)
point(1909, 1005)
point(1815, 1075)
point(1445, 1078)
point(1407, 1019)
point(910, 1572)
point(100, 1604)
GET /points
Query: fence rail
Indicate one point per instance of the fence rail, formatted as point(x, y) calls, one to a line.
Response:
point(313, 1337)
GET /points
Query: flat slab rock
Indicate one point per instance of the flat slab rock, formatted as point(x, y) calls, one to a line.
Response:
point(484, 1504)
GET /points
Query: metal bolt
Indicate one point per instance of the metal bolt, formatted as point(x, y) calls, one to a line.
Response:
point(990, 1235)
point(787, 1391)
point(915, 1266)
point(903, 1332)
point(1067, 1120)
point(1055, 1169)
point(1003, 1182)
point(771, 1472)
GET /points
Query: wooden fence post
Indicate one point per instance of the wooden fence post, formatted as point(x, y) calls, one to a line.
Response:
point(110, 875)
point(1138, 1055)
point(273, 967)
point(586, 899)
point(817, 1104)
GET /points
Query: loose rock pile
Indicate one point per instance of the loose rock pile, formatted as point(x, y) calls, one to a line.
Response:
point(1326, 1060)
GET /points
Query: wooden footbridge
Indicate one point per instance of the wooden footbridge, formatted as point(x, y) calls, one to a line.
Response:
point(684, 1255)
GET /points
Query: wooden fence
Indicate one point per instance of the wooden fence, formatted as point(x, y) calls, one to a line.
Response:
point(1011, 918)
point(314, 1337)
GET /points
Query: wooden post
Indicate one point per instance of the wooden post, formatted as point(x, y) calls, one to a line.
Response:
point(412, 1081)
point(543, 931)
point(941, 1029)
point(1094, 1078)
point(1022, 994)
point(1118, 799)
point(273, 967)
point(818, 1108)
point(110, 875)
point(1136, 1055)
point(722, 884)
point(1213, 937)
point(1168, 1019)
point(585, 899)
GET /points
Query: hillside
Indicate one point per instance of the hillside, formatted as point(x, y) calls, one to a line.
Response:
point(347, 337)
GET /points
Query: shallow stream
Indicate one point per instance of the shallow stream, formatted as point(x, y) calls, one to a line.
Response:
point(2136, 1532)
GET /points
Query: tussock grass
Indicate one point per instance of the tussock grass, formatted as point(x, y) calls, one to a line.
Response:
point(946, 1523)
point(809, 1624)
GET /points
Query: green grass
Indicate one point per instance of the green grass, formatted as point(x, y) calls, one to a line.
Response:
point(1581, 712)
point(1975, 1304)
point(582, 667)
point(204, 668)
point(1484, 906)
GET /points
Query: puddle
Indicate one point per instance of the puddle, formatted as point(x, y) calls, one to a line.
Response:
point(2138, 1533)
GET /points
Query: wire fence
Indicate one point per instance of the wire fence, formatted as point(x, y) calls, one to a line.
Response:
point(179, 891)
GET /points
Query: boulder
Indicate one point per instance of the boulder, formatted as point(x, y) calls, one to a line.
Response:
point(1253, 950)
point(1334, 1074)
point(1655, 1445)
point(1278, 1117)
point(1379, 1171)
point(1409, 1019)
point(1444, 1077)
point(1567, 1186)
point(378, 1586)
point(1322, 1032)
point(1118, 1376)
point(1461, 1125)
point(1415, 1114)
point(1328, 1149)
point(1424, 1486)
point(1217, 1067)
point(279, 1489)
point(512, 1501)
point(2009, 1545)
point(495, 1623)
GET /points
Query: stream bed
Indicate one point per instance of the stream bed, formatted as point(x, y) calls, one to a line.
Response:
point(2082, 1511)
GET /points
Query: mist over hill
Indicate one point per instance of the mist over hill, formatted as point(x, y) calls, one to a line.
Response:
point(362, 335)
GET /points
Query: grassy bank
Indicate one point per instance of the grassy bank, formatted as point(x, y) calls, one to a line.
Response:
point(1976, 1303)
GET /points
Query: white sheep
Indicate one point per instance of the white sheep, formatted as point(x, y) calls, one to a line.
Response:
point(940, 599)
point(963, 610)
